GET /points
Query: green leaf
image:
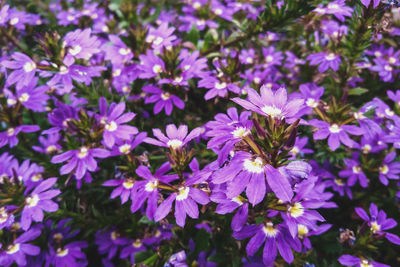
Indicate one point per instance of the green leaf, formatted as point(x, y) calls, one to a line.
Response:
point(194, 35)
point(358, 91)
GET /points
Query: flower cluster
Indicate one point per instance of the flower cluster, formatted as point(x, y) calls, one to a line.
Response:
point(199, 133)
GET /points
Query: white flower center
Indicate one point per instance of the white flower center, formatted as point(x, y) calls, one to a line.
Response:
point(165, 96)
point(330, 56)
point(269, 230)
point(249, 60)
point(157, 68)
point(218, 11)
point(220, 86)
point(183, 193)
point(295, 150)
point(51, 148)
point(388, 68)
point(375, 227)
point(392, 60)
point(11, 102)
point(339, 182)
point(29, 66)
point(269, 59)
point(201, 22)
point(240, 132)
point(366, 148)
point(32, 201)
point(197, 5)
point(389, 112)
point(125, 148)
point(83, 152)
point(62, 252)
point(333, 6)
point(257, 80)
point(111, 126)
point(137, 243)
point(75, 50)
point(272, 111)
point(296, 210)
point(124, 51)
point(151, 186)
point(175, 143)
point(356, 169)
point(13, 249)
point(37, 177)
point(14, 21)
point(384, 169)
point(238, 200)
point(311, 103)
point(365, 263)
point(10, 132)
point(378, 54)
point(24, 97)
point(253, 166)
point(178, 79)
point(117, 72)
point(63, 70)
point(334, 128)
point(128, 184)
point(302, 230)
point(158, 40)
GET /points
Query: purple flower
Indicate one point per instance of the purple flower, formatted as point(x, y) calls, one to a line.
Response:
point(348, 260)
point(228, 130)
point(62, 80)
point(228, 205)
point(337, 133)
point(354, 172)
point(384, 69)
point(17, 251)
point(378, 222)
point(125, 147)
point(298, 148)
point(275, 105)
point(176, 139)
point(161, 37)
point(217, 87)
point(186, 199)
point(24, 70)
point(272, 58)
point(69, 255)
point(6, 218)
point(80, 160)
point(29, 96)
point(37, 201)
point(150, 65)
point(117, 52)
point(49, 145)
point(273, 237)
point(109, 242)
point(148, 189)
point(337, 8)
point(81, 44)
point(10, 136)
point(325, 61)
point(132, 248)
point(247, 56)
point(164, 100)
point(113, 119)
point(247, 172)
point(389, 169)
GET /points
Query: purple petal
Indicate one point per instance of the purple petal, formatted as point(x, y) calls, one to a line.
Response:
point(279, 184)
